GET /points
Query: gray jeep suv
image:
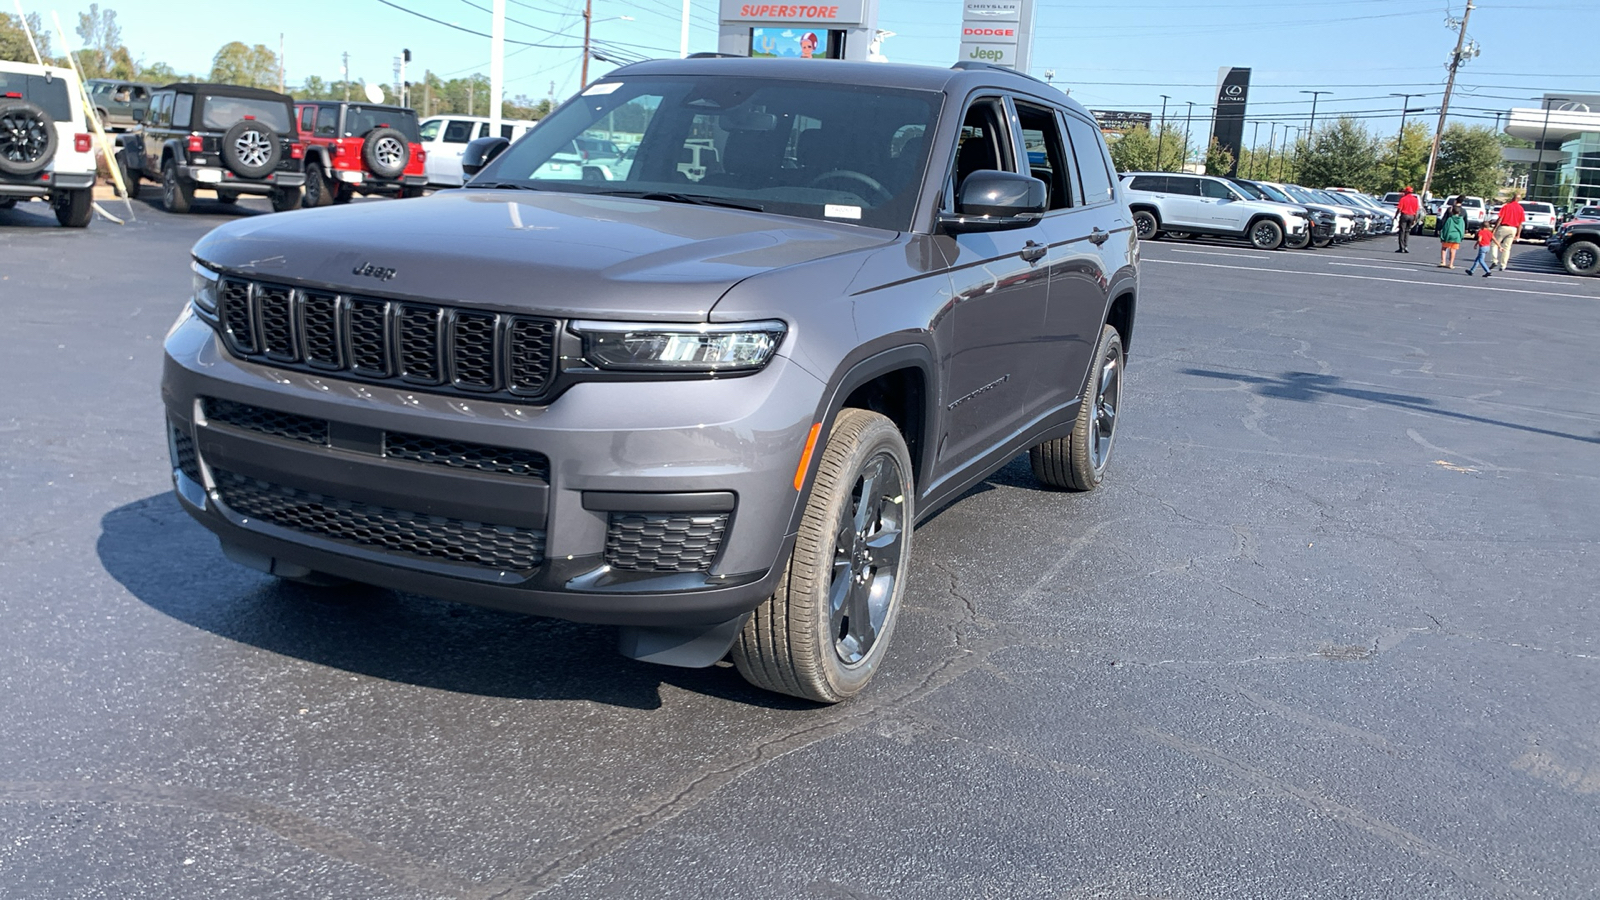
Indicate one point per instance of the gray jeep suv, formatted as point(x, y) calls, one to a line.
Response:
point(708, 409)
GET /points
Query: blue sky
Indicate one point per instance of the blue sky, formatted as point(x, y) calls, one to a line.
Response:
point(1110, 55)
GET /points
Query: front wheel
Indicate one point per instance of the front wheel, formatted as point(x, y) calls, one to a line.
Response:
point(285, 199)
point(227, 198)
point(175, 195)
point(1266, 235)
point(318, 191)
point(1146, 224)
point(1078, 461)
point(1581, 258)
point(825, 631)
point(1321, 242)
point(1299, 242)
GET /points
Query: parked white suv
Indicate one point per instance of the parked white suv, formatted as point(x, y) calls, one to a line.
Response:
point(1541, 221)
point(46, 151)
point(445, 138)
point(1202, 204)
point(1476, 212)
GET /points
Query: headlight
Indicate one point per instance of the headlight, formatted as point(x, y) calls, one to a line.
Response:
point(204, 293)
point(650, 347)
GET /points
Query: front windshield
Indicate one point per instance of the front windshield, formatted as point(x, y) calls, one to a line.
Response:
point(1254, 191)
point(1300, 194)
point(1274, 194)
point(841, 152)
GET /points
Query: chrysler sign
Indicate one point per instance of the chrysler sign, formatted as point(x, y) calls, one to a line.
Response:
point(997, 31)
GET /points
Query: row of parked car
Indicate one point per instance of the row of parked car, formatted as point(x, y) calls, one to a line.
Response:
point(1268, 215)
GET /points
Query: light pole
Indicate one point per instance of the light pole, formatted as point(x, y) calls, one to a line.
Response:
point(1272, 141)
point(1255, 141)
point(1161, 134)
point(588, 21)
point(1400, 138)
point(1188, 117)
point(1543, 133)
point(1312, 129)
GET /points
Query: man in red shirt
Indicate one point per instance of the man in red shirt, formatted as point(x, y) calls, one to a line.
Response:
point(1512, 215)
point(1409, 208)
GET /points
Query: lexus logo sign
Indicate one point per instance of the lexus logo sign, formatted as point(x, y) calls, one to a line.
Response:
point(1234, 90)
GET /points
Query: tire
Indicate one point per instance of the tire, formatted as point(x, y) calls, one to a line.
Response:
point(227, 198)
point(1078, 461)
point(175, 195)
point(27, 138)
point(285, 199)
point(318, 192)
point(130, 178)
point(796, 642)
point(385, 152)
point(74, 209)
point(1146, 224)
point(1581, 258)
point(1266, 234)
point(250, 149)
point(105, 120)
point(342, 193)
point(1320, 243)
point(1300, 243)
point(411, 193)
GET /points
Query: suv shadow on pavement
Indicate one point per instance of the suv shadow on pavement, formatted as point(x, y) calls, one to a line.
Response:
point(170, 563)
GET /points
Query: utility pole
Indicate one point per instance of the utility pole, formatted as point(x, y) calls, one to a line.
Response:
point(1312, 129)
point(1188, 117)
point(405, 57)
point(280, 62)
point(588, 16)
point(1456, 59)
point(497, 66)
point(1255, 141)
point(347, 74)
point(1272, 139)
point(683, 33)
point(1161, 134)
point(1405, 101)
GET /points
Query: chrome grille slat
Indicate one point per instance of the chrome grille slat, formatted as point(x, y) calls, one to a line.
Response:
point(425, 346)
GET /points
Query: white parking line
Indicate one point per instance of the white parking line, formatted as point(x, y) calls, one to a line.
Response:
point(1442, 284)
point(1365, 266)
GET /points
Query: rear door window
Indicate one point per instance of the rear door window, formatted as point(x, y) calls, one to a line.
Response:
point(1153, 183)
point(1179, 184)
point(1093, 166)
point(458, 132)
point(182, 110)
point(49, 94)
point(161, 109)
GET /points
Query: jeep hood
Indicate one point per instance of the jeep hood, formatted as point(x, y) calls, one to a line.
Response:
point(563, 254)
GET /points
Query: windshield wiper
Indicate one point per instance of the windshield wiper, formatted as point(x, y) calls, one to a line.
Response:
point(506, 185)
point(696, 199)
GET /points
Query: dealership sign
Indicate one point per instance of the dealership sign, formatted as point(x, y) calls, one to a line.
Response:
point(847, 12)
point(997, 31)
point(1233, 91)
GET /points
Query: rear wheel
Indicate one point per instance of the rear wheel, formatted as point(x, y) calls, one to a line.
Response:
point(342, 193)
point(74, 209)
point(8, 202)
point(318, 191)
point(824, 632)
point(1266, 234)
point(227, 198)
point(175, 195)
point(1078, 461)
point(285, 199)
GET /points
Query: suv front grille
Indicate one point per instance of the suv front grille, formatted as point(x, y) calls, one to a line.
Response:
point(266, 421)
point(664, 542)
point(465, 455)
point(496, 547)
point(435, 348)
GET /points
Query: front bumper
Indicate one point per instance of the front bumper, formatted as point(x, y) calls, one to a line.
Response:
point(1536, 231)
point(619, 453)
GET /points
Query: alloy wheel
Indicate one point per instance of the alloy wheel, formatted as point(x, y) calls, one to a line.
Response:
point(253, 148)
point(867, 554)
point(389, 152)
point(1106, 398)
point(22, 137)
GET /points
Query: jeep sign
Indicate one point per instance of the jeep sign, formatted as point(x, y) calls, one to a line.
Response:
point(997, 31)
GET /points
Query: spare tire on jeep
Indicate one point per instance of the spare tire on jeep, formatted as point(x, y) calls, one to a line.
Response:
point(385, 152)
point(250, 149)
point(27, 137)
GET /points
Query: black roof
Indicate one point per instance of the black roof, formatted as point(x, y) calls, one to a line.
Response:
point(956, 79)
point(361, 103)
point(226, 90)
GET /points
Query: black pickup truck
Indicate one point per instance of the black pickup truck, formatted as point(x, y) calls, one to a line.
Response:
point(1577, 245)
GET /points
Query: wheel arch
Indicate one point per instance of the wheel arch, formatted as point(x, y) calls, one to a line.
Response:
point(1120, 316)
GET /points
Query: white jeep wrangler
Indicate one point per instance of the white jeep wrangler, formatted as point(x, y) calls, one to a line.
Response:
point(46, 150)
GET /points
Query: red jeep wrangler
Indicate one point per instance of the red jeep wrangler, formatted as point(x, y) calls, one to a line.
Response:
point(358, 148)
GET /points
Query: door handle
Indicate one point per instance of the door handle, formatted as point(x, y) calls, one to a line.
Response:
point(1033, 252)
point(1098, 237)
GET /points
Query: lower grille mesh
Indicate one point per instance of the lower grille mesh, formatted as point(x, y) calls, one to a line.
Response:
point(184, 457)
point(664, 542)
point(266, 421)
point(498, 547)
point(465, 455)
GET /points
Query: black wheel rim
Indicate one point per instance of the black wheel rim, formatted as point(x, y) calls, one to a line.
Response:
point(1145, 225)
point(1108, 394)
point(313, 188)
point(868, 546)
point(1583, 260)
point(22, 137)
point(1264, 234)
point(169, 189)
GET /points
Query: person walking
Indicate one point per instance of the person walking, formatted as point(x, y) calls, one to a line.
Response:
point(1485, 251)
point(1452, 228)
point(1512, 215)
point(1408, 208)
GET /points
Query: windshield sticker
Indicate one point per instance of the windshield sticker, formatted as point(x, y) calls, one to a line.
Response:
point(840, 211)
point(602, 88)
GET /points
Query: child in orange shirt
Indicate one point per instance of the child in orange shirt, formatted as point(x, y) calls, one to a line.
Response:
point(1485, 238)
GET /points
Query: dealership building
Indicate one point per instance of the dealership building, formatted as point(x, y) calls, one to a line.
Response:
point(1564, 162)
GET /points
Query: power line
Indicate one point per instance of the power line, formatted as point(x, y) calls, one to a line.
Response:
point(453, 25)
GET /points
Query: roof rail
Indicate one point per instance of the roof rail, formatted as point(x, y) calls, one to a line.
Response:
point(707, 55)
point(969, 64)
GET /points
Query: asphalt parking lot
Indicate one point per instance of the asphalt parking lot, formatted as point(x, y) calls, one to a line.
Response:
point(1327, 631)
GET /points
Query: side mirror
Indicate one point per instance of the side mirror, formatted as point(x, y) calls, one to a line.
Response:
point(138, 115)
point(990, 200)
point(481, 152)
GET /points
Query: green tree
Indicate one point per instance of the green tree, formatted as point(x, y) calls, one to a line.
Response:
point(103, 55)
point(1139, 150)
point(1218, 160)
point(1405, 158)
point(1343, 154)
point(1469, 162)
point(159, 73)
point(248, 66)
point(14, 41)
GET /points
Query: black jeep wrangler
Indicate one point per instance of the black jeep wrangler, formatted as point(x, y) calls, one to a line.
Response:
point(1577, 245)
point(217, 137)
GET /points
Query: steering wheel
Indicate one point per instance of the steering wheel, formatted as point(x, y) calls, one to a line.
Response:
point(879, 196)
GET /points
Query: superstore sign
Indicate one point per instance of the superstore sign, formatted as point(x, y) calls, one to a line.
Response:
point(788, 12)
point(843, 12)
